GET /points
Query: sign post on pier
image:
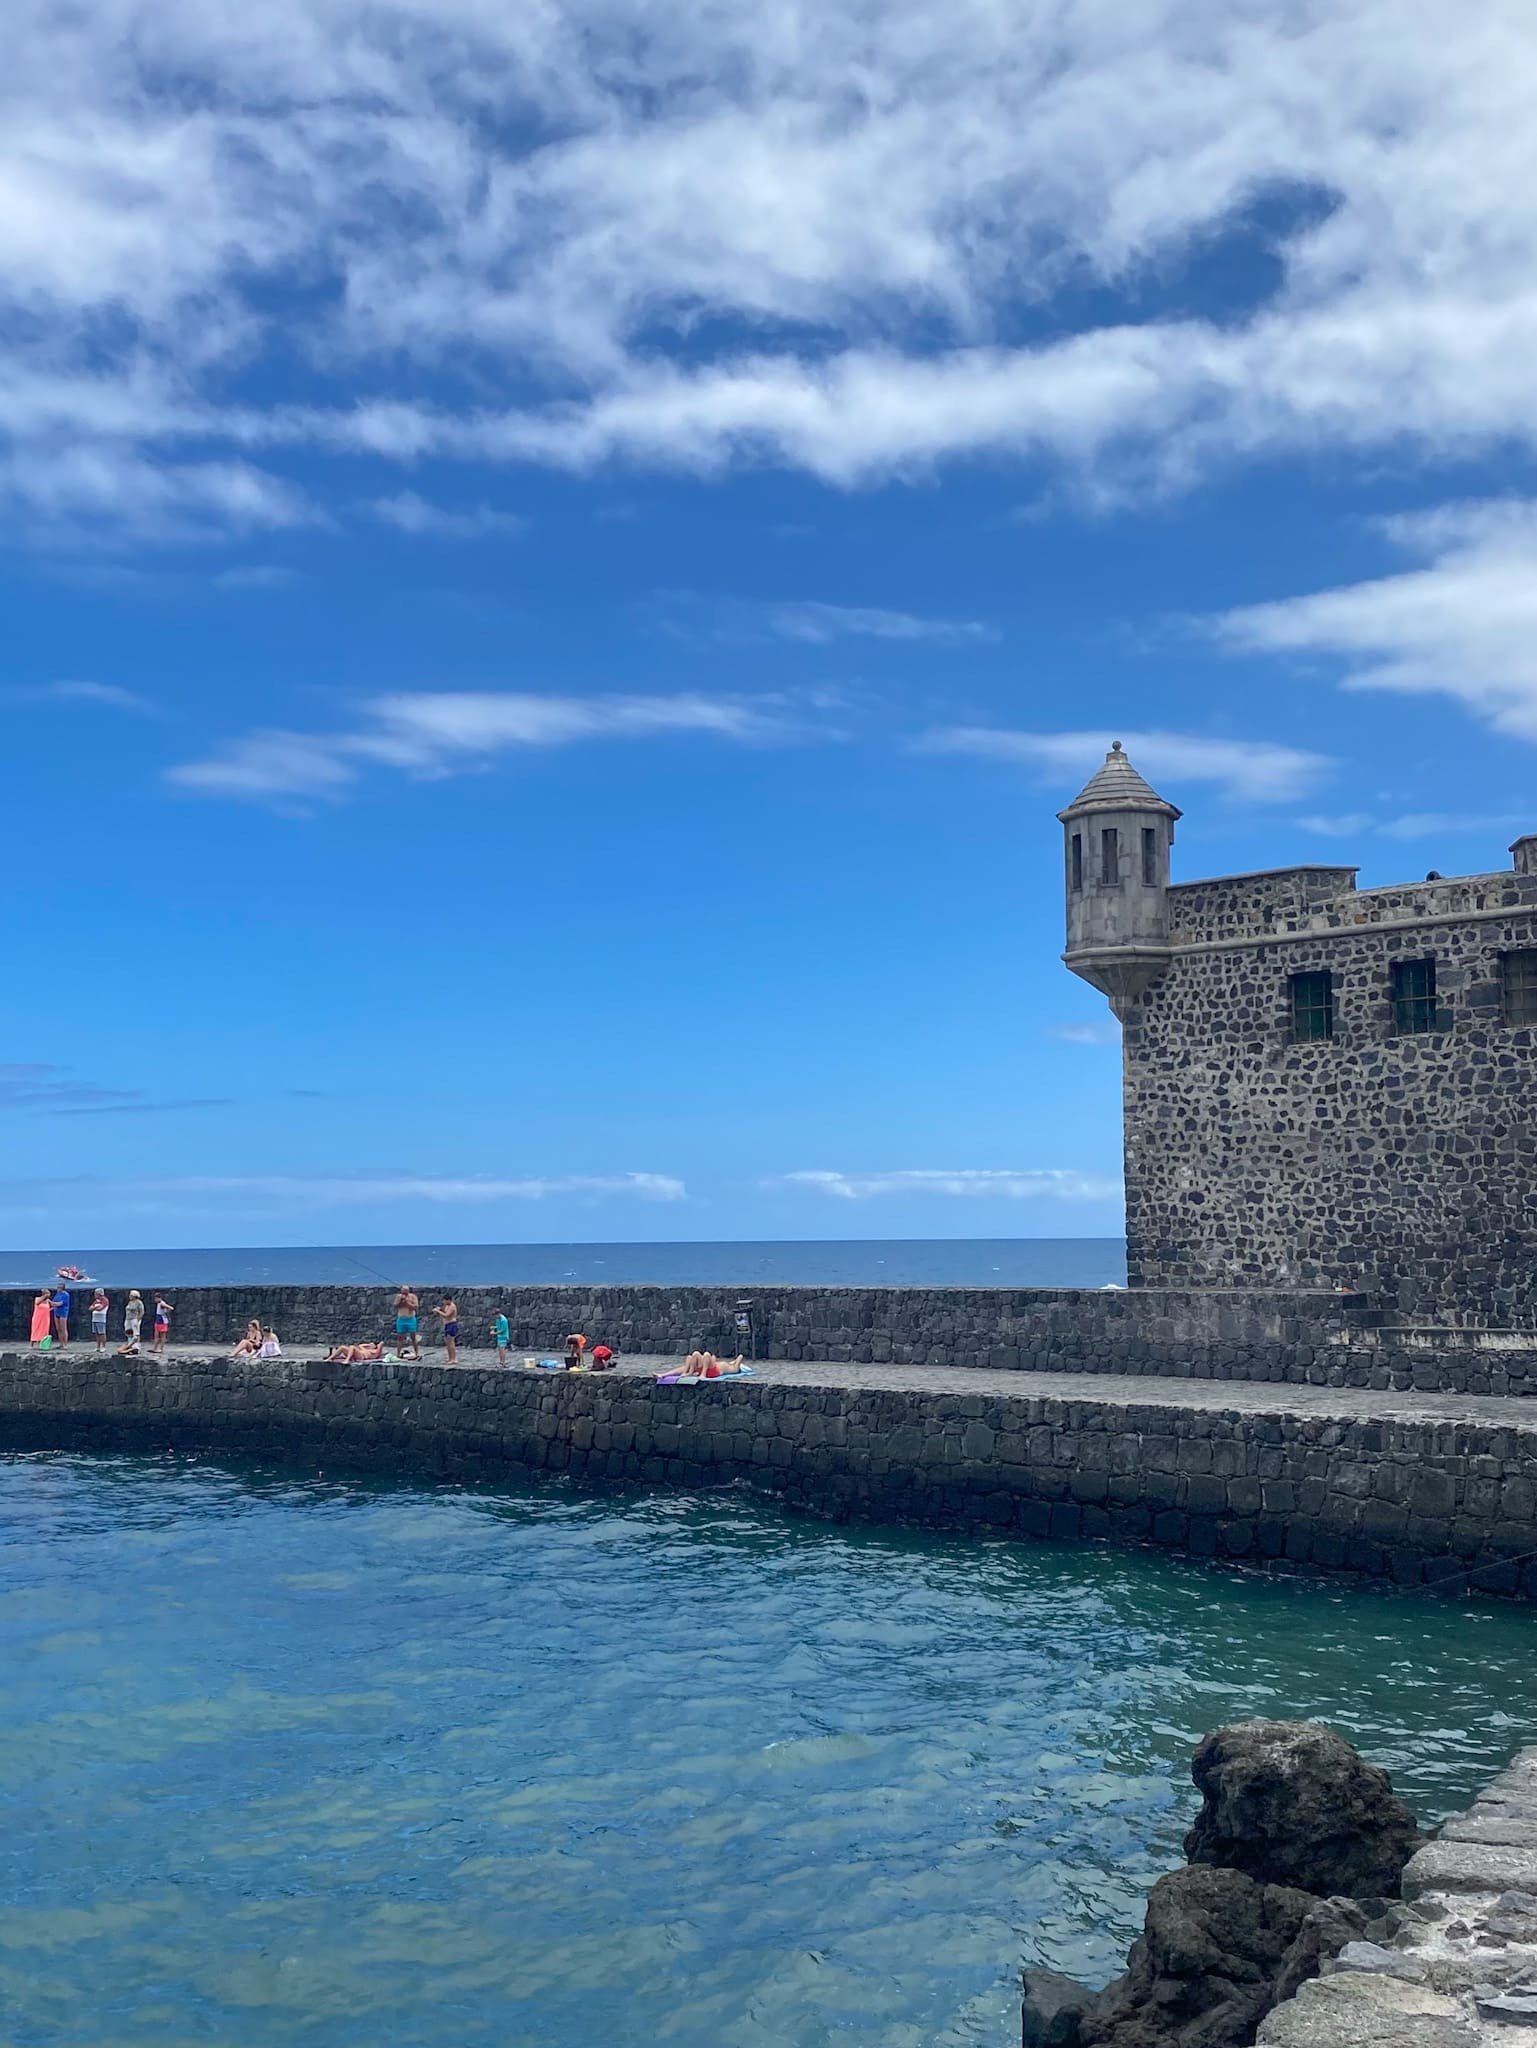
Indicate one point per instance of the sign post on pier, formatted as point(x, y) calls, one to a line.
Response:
point(746, 1330)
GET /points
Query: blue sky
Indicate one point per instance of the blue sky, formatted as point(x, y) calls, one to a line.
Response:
point(557, 569)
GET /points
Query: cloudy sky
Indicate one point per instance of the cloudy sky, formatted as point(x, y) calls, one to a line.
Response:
point(558, 561)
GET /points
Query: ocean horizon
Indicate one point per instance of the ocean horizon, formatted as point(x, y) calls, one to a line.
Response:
point(816, 1262)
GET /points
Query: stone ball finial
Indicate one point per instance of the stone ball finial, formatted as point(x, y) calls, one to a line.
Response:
point(1115, 746)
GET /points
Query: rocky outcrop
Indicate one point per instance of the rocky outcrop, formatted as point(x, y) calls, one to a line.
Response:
point(1202, 1971)
point(1290, 1802)
point(1297, 1847)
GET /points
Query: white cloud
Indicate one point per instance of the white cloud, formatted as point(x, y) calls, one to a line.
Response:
point(434, 733)
point(805, 232)
point(1105, 1031)
point(820, 624)
point(79, 495)
point(1418, 824)
point(1464, 626)
point(279, 1190)
point(1337, 824)
point(410, 514)
point(112, 695)
point(288, 766)
point(1048, 1183)
point(1451, 824)
point(1248, 771)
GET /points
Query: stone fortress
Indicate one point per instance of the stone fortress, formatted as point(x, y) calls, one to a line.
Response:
point(1324, 1086)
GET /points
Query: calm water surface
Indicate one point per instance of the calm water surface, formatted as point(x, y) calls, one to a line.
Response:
point(295, 1761)
point(831, 1262)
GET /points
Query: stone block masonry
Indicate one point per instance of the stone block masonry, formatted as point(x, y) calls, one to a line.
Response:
point(1300, 1338)
point(1342, 1482)
point(1321, 1084)
point(1402, 1161)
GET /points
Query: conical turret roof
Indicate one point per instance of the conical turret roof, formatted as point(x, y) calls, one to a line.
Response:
point(1117, 787)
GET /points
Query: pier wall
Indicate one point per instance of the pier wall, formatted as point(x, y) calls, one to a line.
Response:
point(1413, 1499)
point(1305, 1338)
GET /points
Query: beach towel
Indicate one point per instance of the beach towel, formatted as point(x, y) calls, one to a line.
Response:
point(676, 1378)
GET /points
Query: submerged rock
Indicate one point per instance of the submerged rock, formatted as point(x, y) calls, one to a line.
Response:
point(1290, 1803)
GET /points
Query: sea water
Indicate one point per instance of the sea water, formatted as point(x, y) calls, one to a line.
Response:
point(851, 1262)
point(299, 1759)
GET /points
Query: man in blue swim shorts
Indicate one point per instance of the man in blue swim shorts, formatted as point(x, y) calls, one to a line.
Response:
point(407, 1307)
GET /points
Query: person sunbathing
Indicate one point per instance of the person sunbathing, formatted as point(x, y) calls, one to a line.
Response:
point(250, 1343)
point(704, 1365)
point(354, 1354)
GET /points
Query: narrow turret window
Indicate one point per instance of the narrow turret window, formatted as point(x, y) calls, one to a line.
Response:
point(1149, 857)
point(1077, 862)
point(1518, 974)
point(1312, 1006)
point(1414, 995)
point(1109, 856)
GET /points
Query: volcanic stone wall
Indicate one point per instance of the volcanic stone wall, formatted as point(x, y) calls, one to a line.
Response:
point(1413, 1500)
point(1404, 1165)
point(1201, 1331)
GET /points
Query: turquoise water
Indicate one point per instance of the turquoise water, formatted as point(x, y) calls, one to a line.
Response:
point(350, 1764)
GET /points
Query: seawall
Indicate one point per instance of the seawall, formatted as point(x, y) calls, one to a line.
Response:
point(1299, 1338)
point(1455, 1964)
point(1343, 1481)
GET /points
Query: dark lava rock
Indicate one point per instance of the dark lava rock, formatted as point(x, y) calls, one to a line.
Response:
point(1202, 1973)
point(1325, 1931)
point(1054, 2006)
point(1290, 1803)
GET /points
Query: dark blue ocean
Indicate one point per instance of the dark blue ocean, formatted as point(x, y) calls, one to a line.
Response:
point(830, 1262)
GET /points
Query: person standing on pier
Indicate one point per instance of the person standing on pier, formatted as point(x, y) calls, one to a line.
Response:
point(99, 1307)
point(408, 1322)
point(448, 1310)
point(42, 1315)
point(60, 1307)
point(133, 1322)
point(162, 1322)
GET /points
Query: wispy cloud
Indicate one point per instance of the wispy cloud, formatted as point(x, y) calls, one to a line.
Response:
point(111, 696)
point(1419, 824)
point(1101, 1032)
point(1252, 771)
point(79, 497)
point(55, 1091)
point(820, 624)
point(1463, 626)
point(281, 1191)
point(706, 618)
point(447, 732)
point(408, 513)
point(256, 576)
point(970, 1183)
point(35, 1084)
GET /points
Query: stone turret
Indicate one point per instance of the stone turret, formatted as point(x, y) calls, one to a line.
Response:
point(1117, 833)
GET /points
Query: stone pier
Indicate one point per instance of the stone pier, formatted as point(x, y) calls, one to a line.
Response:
point(1422, 1488)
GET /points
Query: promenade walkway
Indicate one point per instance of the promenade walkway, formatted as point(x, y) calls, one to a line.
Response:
point(1244, 1397)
